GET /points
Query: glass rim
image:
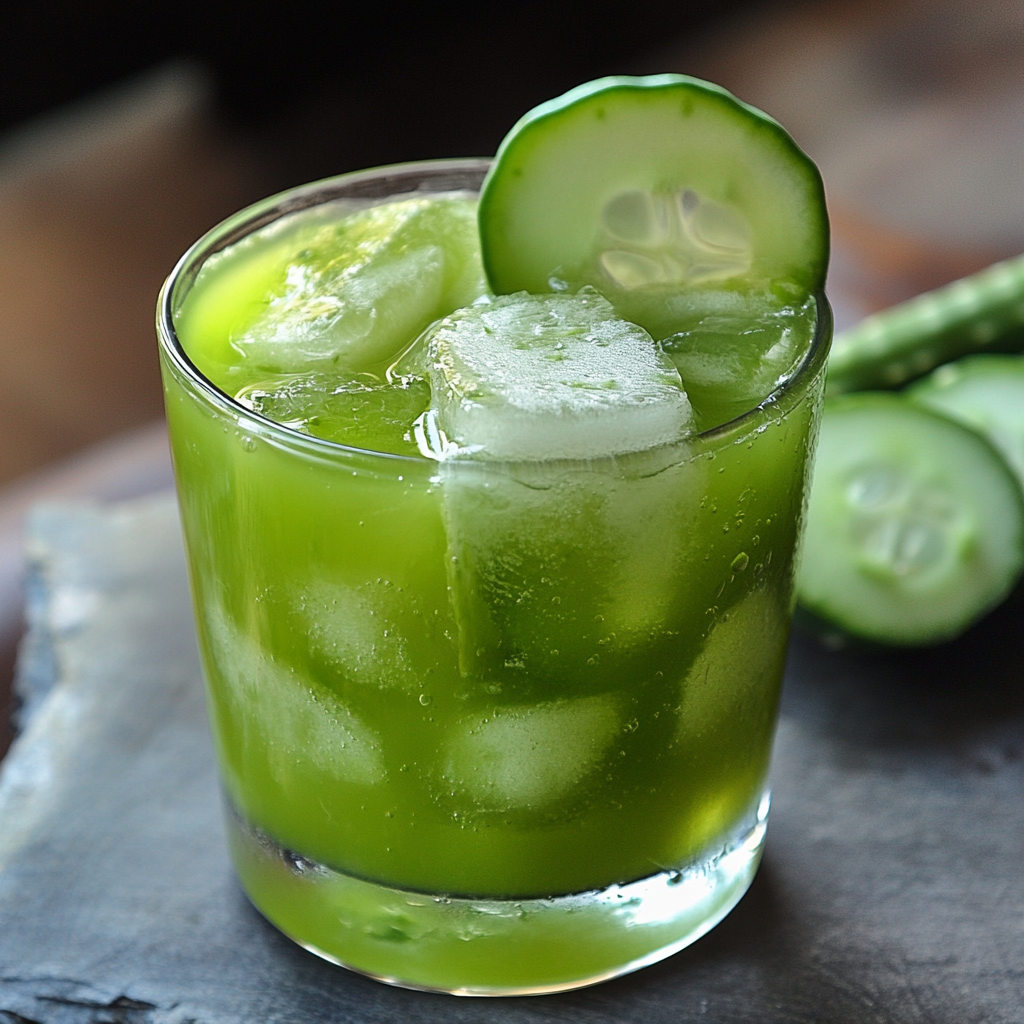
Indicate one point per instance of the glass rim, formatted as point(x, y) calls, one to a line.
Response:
point(355, 185)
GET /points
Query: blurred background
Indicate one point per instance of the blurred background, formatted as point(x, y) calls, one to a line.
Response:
point(127, 130)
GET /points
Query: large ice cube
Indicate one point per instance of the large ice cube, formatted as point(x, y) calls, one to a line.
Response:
point(529, 758)
point(558, 569)
point(530, 377)
point(731, 362)
point(360, 290)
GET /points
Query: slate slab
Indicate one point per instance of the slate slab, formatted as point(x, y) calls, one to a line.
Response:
point(892, 889)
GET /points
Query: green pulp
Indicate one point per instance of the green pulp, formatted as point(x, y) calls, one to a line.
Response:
point(472, 678)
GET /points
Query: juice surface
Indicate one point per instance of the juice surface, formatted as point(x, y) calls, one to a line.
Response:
point(471, 677)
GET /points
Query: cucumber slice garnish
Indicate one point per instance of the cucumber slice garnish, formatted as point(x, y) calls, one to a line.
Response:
point(652, 189)
point(985, 393)
point(915, 526)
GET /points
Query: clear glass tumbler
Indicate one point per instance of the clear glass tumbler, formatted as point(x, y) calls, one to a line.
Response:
point(487, 728)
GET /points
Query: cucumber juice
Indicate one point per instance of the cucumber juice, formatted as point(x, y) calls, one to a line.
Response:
point(436, 670)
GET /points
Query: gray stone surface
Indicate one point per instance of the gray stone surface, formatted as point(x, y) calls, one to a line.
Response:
point(892, 889)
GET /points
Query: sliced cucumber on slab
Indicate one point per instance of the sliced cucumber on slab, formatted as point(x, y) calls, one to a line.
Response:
point(663, 193)
point(984, 392)
point(915, 525)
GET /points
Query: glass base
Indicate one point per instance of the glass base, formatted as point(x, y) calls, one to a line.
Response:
point(490, 947)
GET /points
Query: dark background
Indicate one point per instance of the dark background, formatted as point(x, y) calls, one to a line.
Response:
point(318, 88)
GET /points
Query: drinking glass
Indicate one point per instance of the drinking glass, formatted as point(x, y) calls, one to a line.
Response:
point(486, 728)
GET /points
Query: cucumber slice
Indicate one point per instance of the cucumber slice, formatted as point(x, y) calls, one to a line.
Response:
point(915, 526)
point(649, 188)
point(985, 393)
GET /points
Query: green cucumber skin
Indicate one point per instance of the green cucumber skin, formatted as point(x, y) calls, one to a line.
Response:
point(983, 312)
point(505, 277)
point(825, 607)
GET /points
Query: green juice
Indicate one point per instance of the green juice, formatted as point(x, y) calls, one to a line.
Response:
point(477, 720)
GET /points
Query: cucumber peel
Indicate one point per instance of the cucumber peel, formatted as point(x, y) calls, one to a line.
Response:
point(981, 312)
point(649, 188)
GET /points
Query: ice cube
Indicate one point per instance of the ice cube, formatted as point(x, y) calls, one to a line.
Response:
point(285, 716)
point(740, 662)
point(361, 290)
point(731, 363)
point(533, 377)
point(557, 568)
point(359, 410)
point(360, 318)
point(352, 627)
point(654, 540)
point(665, 310)
point(528, 758)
